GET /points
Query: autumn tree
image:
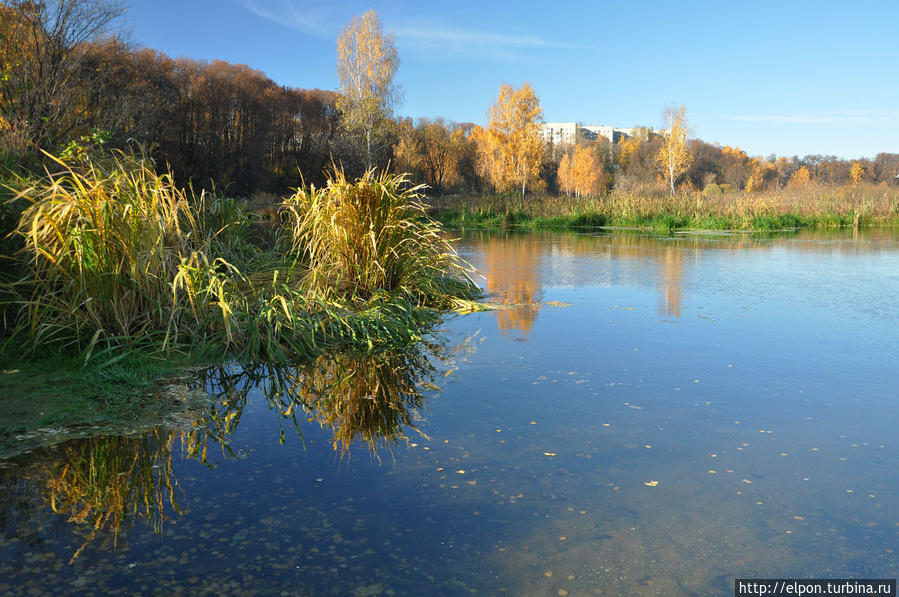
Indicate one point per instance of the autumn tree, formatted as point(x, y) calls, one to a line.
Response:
point(367, 61)
point(856, 172)
point(489, 164)
point(627, 149)
point(674, 157)
point(514, 143)
point(800, 177)
point(565, 175)
point(582, 173)
point(41, 49)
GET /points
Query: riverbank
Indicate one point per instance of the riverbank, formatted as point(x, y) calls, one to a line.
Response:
point(811, 206)
point(118, 270)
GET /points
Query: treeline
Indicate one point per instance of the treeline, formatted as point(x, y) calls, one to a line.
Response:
point(67, 85)
point(211, 121)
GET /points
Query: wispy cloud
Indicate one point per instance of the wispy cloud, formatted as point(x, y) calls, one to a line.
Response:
point(862, 117)
point(419, 41)
point(429, 42)
point(312, 18)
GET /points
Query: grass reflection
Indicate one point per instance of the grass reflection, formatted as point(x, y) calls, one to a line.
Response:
point(101, 485)
point(364, 399)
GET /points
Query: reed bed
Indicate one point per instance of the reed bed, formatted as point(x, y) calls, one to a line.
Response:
point(810, 205)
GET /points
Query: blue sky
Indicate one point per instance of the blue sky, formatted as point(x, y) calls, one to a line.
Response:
point(789, 77)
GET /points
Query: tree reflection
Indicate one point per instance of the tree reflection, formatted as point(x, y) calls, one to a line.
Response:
point(512, 268)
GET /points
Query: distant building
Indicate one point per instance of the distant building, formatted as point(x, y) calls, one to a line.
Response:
point(559, 132)
point(566, 132)
point(613, 134)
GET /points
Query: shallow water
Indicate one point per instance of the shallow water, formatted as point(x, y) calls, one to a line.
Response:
point(647, 416)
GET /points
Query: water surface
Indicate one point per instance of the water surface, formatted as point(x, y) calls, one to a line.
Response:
point(647, 415)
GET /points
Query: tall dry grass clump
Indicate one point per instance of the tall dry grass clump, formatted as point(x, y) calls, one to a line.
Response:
point(358, 239)
point(104, 241)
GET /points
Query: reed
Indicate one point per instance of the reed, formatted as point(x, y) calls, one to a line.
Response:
point(103, 244)
point(118, 257)
point(357, 239)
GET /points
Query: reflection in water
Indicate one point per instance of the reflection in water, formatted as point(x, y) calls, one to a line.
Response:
point(369, 399)
point(512, 269)
point(512, 266)
point(100, 486)
point(515, 264)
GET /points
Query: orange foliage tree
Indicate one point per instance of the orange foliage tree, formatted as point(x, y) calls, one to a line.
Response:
point(856, 172)
point(511, 147)
point(800, 177)
point(582, 173)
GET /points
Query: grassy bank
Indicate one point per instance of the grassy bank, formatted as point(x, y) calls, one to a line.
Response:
point(809, 206)
point(117, 264)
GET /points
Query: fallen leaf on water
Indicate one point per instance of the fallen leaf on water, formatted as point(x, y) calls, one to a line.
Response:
point(651, 483)
point(549, 453)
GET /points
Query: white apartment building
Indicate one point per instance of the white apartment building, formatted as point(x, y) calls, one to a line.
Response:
point(566, 132)
point(559, 132)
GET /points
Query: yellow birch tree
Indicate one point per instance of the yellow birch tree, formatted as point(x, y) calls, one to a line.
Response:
point(565, 178)
point(367, 61)
point(674, 157)
point(514, 128)
point(856, 172)
point(587, 171)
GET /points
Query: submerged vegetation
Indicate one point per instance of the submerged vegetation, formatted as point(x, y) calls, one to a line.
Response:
point(117, 256)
